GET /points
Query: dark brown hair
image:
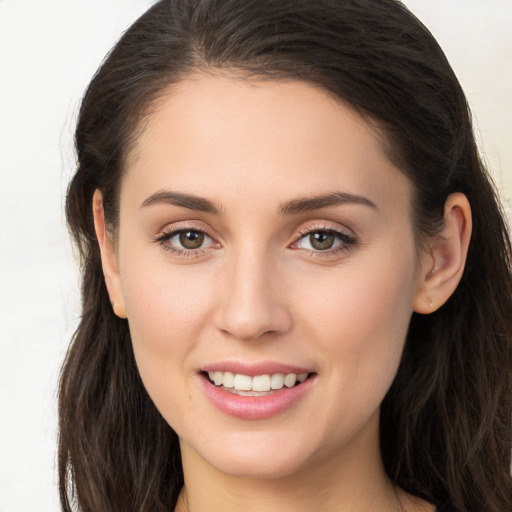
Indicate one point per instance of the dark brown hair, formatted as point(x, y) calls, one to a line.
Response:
point(446, 421)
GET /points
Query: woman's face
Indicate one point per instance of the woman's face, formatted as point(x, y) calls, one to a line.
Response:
point(265, 238)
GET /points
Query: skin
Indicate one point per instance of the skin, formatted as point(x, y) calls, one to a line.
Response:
point(257, 290)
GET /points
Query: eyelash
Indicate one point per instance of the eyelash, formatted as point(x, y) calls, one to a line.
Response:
point(183, 252)
point(346, 240)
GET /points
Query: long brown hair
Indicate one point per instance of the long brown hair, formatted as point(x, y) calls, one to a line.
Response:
point(446, 421)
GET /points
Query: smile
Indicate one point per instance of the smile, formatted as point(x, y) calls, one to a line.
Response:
point(256, 396)
point(246, 385)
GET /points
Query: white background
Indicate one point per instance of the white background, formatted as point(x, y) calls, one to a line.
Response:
point(48, 52)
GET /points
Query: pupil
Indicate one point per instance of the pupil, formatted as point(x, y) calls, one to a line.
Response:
point(191, 239)
point(321, 241)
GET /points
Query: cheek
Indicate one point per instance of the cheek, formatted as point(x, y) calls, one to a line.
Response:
point(360, 319)
point(167, 309)
point(165, 303)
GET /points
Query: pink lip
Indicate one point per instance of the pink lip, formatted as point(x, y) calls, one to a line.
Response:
point(252, 369)
point(255, 407)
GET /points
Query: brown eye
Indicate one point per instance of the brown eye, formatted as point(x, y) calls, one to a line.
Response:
point(328, 241)
point(187, 242)
point(322, 240)
point(191, 239)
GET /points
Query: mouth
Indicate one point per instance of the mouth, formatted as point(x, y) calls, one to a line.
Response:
point(257, 385)
point(257, 391)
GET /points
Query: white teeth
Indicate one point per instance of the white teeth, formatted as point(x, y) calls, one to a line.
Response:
point(258, 383)
point(229, 380)
point(290, 380)
point(261, 383)
point(277, 381)
point(242, 382)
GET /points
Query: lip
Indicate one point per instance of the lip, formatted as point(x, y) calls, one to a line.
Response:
point(255, 407)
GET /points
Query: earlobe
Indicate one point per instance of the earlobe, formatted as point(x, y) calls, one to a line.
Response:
point(445, 258)
point(108, 257)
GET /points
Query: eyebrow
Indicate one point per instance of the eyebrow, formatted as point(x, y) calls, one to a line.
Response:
point(184, 200)
point(307, 204)
point(292, 207)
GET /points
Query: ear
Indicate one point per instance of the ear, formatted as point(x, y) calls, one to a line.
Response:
point(108, 256)
point(445, 257)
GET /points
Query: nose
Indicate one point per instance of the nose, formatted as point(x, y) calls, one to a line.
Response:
point(251, 300)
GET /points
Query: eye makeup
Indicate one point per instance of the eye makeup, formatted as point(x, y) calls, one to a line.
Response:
point(319, 240)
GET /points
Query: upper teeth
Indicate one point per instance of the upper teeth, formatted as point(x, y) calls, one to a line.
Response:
point(258, 382)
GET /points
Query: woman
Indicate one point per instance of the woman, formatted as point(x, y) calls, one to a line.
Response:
point(296, 279)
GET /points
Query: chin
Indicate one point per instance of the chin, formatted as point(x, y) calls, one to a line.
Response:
point(254, 456)
point(259, 467)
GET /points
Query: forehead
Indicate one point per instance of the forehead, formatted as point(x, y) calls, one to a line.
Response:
point(225, 136)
